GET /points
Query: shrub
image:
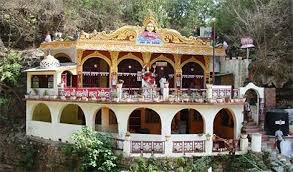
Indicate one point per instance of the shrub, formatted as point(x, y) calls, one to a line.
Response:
point(94, 150)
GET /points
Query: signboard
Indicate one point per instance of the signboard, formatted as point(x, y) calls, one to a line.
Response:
point(205, 32)
point(280, 122)
point(148, 38)
point(164, 64)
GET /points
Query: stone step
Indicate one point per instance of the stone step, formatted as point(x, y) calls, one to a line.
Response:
point(253, 130)
point(250, 124)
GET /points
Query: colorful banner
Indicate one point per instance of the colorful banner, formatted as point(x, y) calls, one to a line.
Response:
point(86, 92)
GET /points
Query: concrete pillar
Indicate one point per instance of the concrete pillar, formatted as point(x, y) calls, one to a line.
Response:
point(209, 143)
point(256, 142)
point(209, 124)
point(89, 119)
point(126, 145)
point(209, 91)
point(168, 146)
point(122, 120)
point(165, 94)
point(166, 127)
point(244, 144)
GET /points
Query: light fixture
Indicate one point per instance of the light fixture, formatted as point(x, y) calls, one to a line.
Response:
point(95, 65)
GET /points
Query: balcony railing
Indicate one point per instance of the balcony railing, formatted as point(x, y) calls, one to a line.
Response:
point(220, 94)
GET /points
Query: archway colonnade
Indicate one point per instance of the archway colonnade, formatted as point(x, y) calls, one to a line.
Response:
point(181, 119)
point(99, 70)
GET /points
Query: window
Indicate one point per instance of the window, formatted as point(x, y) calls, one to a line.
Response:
point(42, 81)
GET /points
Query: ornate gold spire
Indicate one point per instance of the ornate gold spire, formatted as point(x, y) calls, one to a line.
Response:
point(150, 19)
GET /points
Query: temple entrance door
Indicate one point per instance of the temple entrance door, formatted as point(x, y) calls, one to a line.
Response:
point(127, 71)
point(164, 69)
point(95, 73)
point(253, 99)
point(192, 76)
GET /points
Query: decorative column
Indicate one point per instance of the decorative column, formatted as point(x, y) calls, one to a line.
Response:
point(114, 68)
point(146, 58)
point(79, 53)
point(178, 71)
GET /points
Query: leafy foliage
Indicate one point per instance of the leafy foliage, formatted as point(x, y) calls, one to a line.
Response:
point(10, 68)
point(267, 23)
point(245, 162)
point(94, 149)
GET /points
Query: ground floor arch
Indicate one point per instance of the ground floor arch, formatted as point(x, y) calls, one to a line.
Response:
point(106, 121)
point(187, 121)
point(72, 114)
point(192, 76)
point(127, 71)
point(42, 113)
point(95, 73)
point(252, 105)
point(144, 121)
point(224, 124)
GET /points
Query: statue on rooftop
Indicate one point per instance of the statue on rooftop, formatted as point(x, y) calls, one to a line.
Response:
point(149, 35)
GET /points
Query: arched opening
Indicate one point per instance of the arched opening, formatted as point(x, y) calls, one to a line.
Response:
point(72, 114)
point(63, 58)
point(41, 113)
point(127, 71)
point(187, 121)
point(68, 79)
point(106, 121)
point(192, 76)
point(224, 124)
point(164, 70)
point(95, 73)
point(144, 121)
point(252, 106)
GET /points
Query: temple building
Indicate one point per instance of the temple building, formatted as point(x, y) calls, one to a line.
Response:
point(150, 87)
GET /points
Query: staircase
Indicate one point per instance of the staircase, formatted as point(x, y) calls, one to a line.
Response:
point(267, 144)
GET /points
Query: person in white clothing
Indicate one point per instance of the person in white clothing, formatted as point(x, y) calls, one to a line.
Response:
point(279, 138)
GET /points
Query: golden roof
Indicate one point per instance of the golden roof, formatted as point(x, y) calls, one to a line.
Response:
point(124, 39)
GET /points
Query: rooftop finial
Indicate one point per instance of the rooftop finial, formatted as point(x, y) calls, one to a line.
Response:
point(150, 19)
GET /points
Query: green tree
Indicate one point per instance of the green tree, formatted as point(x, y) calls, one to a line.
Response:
point(267, 22)
point(94, 149)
